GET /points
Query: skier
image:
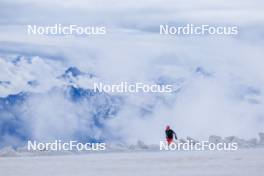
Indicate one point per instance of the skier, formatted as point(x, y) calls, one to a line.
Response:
point(169, 134)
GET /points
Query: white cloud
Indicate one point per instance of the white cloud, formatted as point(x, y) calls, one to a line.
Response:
point(132, 51)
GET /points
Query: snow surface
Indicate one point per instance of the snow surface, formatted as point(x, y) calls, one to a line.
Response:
point(241, 162)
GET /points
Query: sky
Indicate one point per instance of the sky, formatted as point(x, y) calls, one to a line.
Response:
point(226, 98)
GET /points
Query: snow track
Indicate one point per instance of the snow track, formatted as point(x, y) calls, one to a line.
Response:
point(242, 162)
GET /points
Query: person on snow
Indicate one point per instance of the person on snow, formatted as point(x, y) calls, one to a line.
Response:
point(169, 134)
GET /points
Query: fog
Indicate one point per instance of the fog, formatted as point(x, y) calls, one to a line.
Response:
point(218, 79)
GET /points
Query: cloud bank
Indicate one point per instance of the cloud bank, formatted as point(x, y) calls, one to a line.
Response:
point(218, 79)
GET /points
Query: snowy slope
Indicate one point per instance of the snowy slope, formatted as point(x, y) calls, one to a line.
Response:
point(238, 163)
